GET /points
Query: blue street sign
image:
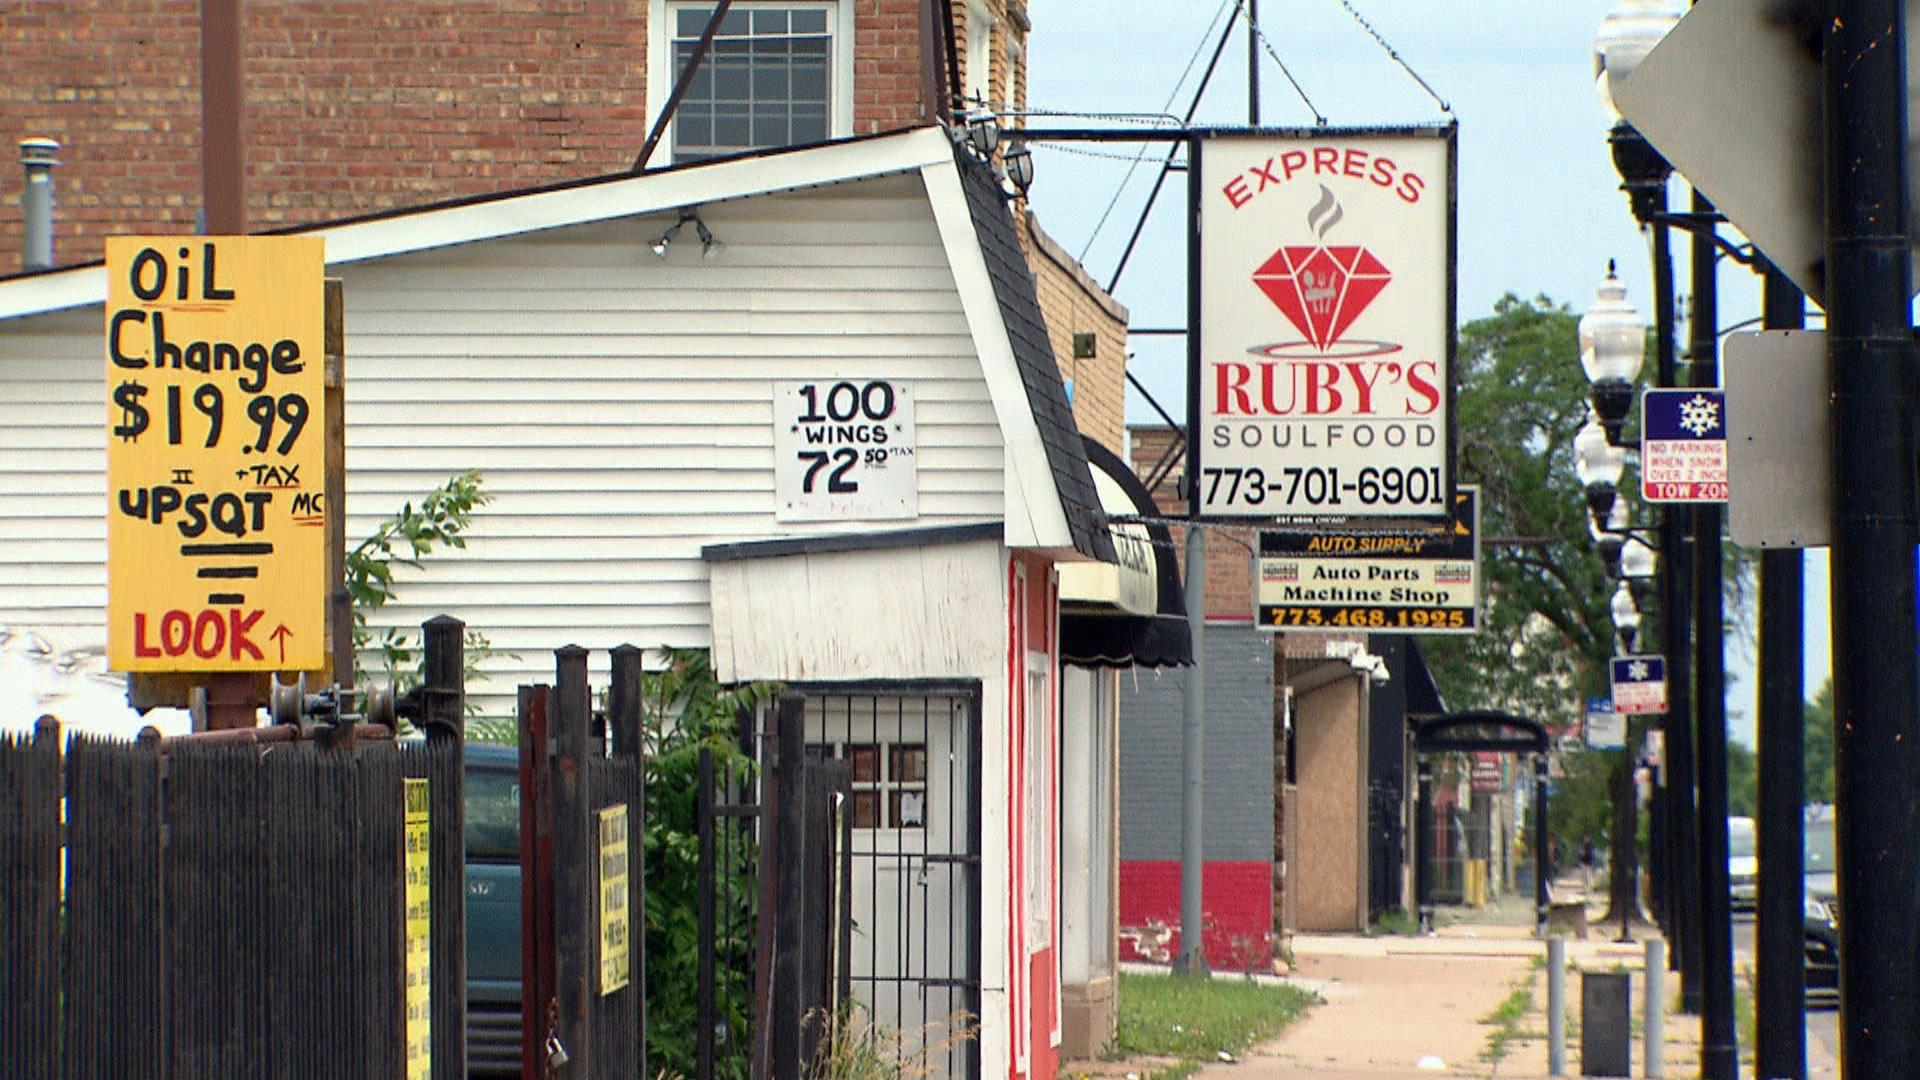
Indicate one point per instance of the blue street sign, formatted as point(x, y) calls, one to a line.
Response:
point(1639, 684)
point(1683, 445)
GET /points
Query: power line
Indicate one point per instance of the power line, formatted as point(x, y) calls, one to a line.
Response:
point(1397, 58)
point(1199, 47)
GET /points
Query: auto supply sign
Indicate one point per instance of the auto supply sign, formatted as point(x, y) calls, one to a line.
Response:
point(1321, 385)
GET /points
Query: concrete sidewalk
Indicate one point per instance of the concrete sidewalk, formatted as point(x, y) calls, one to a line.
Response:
point(1414, 1008)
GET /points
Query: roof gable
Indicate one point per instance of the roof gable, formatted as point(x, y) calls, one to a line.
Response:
point(1026, 328)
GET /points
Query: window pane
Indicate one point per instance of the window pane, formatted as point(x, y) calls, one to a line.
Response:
point(809, 82)
point(769, 126)
point(693, 127)
point(907, 764)
point(691, 21)
point(770, 83)
point(808, 129)
point(865, 761)
point(735, 24)
point(907, 810)
point(730, 81)
point(810, 22)
point(730, 128)
point(770, 21)
point(866, 809)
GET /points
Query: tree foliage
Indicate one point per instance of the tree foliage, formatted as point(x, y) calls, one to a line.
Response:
point(688, 710)
point(1547, 632)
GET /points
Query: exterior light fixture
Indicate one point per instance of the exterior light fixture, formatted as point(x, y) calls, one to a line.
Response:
point(1613, 344)
point(1637, 561)
point(1609, 534)
point(1019, 163)
point(983, 132)
point(1626, 615)
point(709, 245)
point(1598, 463)
point(1627, 35)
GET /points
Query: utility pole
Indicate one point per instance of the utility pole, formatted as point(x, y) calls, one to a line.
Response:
point(1876, 676)
point(1253, 63)
point(1193, 953)
point(1719, 1058)
point(1780, 1051)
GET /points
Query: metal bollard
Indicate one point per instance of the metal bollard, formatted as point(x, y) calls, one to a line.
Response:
point(1655, 1035)
point(1556, 1006)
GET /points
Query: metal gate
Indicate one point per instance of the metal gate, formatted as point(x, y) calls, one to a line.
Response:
point(912, 874)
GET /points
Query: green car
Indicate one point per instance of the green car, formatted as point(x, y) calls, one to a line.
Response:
point(493, 910)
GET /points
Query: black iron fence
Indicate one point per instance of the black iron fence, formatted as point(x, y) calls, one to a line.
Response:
point(283, 901)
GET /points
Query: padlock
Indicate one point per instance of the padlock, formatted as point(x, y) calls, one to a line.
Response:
point(556, 1055)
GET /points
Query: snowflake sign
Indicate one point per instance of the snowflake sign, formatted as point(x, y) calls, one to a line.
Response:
point(1639, 685)
point(1683, 452)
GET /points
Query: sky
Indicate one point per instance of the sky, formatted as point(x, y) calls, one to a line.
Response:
point(1540, 213)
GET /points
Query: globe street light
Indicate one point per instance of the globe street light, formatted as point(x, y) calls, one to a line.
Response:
point(1626, 615)
point(1598, 464)
point(1627, 35)
point(1613, 343)
point(1609, 535)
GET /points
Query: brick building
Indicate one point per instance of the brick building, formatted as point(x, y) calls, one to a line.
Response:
point(355, 108)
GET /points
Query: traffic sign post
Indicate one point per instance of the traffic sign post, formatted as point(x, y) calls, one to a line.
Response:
point(218, 518)
point(1683, 447)
point(1639, 685)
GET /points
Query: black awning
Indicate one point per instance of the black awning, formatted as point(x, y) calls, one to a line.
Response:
point(1423, 693)
point(1119, 639)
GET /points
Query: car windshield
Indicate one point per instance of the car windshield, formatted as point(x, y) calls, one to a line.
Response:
point(1819, 849)
point(1740, 837)
point(493, 814)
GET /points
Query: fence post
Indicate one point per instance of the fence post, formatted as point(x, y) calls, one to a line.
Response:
point(626, 722)
point(704, 1016)
point(573, 857)
point(789, 813)
point(443, 718)
point(536, 880)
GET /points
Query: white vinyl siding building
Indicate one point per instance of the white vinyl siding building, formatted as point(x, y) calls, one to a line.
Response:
point(618, 405)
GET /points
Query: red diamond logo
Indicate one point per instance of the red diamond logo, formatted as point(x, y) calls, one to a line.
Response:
point(1322, 290)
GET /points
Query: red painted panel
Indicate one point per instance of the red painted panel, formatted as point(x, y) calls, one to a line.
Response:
point(1236, 905)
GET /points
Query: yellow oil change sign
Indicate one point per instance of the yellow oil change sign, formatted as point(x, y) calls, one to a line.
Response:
point(616, 951)
point(216, 457)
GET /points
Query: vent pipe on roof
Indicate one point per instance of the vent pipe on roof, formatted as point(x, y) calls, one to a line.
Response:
point(36, 202)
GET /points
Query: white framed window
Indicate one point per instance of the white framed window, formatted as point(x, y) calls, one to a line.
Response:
point(779, 73)
point(980, 23)
point(1039, 802)
point(889, 781)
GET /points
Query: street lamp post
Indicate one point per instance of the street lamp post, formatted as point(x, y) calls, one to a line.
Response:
point(1626, 36)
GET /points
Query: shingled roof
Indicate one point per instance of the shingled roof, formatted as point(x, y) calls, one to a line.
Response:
point(1013, 286)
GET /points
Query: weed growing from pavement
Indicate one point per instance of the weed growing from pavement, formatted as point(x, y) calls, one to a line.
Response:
point(1194, 1021)
point(1505, 1021)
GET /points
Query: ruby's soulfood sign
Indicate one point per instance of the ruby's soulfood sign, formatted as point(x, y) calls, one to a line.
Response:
point(1321, 382)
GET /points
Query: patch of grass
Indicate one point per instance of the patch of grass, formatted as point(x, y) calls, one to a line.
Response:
point(1505, 1021)
point(1396, 922)
point(1193, 1020)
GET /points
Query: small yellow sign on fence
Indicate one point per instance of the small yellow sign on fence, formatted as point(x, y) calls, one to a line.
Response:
point(616, 951)
point(418, 927)
point(216, 455)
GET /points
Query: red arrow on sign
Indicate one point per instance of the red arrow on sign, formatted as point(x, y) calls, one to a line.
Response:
point(280, 635)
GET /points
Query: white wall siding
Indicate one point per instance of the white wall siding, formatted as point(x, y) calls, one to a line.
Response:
point(619, 407)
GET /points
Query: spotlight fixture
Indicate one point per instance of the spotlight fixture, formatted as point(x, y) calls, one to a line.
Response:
point(710, 245)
